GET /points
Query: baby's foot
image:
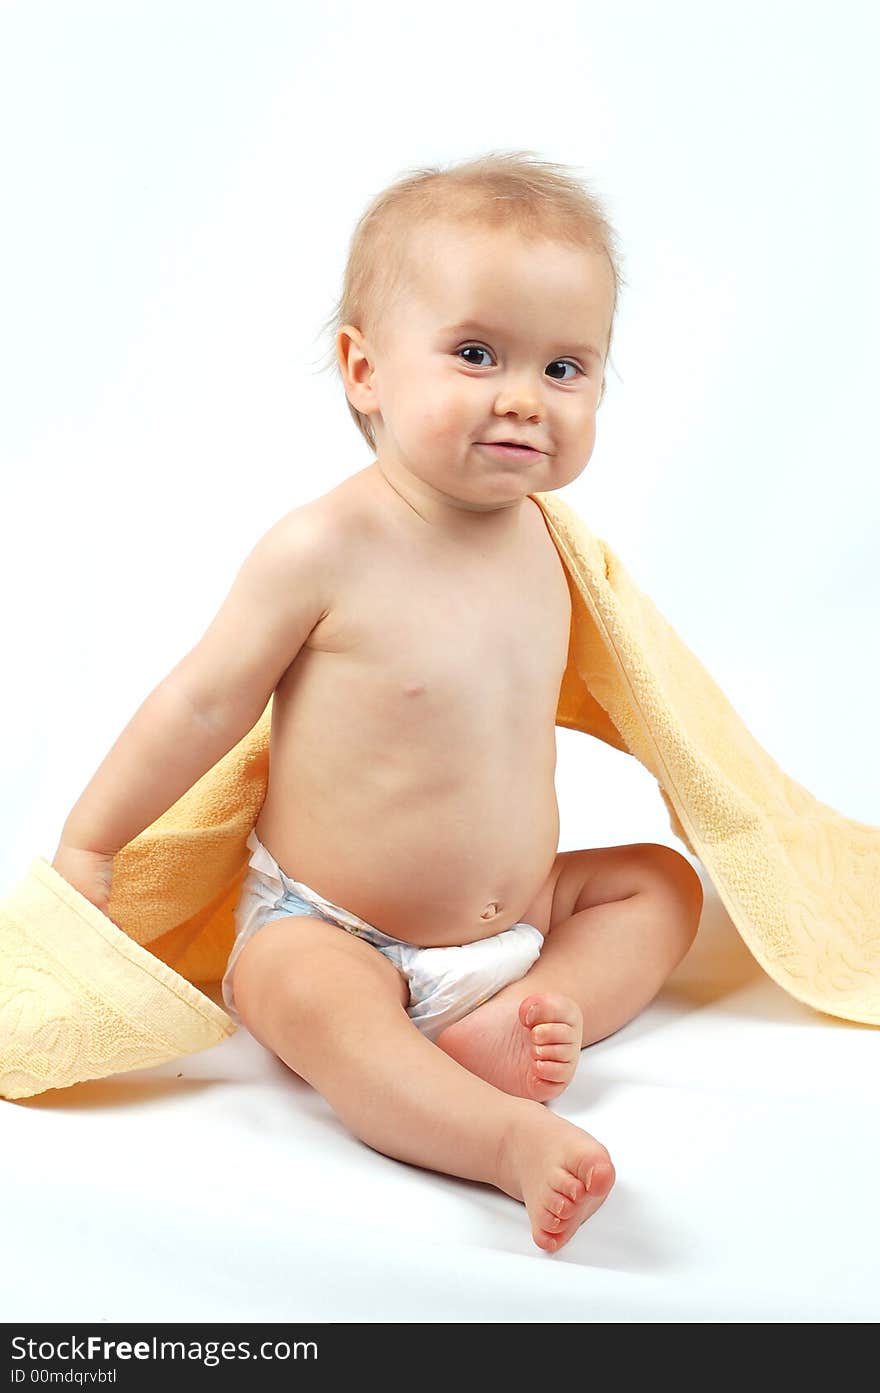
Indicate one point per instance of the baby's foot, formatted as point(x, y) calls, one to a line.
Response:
point(530, 1049)
point(560, 1173)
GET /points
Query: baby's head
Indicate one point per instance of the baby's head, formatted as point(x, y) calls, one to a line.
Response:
point(478, 305)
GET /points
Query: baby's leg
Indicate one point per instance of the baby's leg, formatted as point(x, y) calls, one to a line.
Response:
point(333, 1008)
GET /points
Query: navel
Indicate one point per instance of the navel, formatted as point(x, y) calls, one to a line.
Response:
point(491, 910)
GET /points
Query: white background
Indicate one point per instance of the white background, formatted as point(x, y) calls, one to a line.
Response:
point(179, 185)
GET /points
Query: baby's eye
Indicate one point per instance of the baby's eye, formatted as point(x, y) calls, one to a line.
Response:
point(478, 348)
point(570, 363)
point(472, 348)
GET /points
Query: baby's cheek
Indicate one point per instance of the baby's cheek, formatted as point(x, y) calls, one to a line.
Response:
point(440, 421)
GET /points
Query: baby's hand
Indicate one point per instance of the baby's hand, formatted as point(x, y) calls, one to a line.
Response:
point(89, 872)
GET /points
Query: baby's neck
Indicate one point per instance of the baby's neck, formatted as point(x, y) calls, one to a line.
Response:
point(450, 519)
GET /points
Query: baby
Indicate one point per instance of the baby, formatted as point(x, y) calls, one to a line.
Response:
point(409, 940)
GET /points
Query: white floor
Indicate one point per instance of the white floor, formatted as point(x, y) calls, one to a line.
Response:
point(743, 1127)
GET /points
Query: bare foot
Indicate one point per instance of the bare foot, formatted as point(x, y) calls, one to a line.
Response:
point(561, 1174)
point(531, 1050)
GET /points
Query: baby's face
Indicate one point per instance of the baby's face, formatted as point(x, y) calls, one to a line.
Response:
point(494, 339)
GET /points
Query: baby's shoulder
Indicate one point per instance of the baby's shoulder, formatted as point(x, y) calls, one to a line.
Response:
point(327, 528)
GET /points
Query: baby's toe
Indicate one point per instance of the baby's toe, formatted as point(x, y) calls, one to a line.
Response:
point(559, 1208)
point(545, 1008)
point(560, 1052)
point(556, 1220)
point(548, 1072)
point(554, 1062)
point(565, 1191)
point(597, 1176)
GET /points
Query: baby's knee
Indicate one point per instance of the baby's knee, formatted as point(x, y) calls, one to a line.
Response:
point(279, 973)
point(302, 972)
point(676, 878)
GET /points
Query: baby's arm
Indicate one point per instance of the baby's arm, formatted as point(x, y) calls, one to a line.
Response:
point(206, 704)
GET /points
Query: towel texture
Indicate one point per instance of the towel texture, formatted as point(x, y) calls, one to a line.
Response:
point(82, 999)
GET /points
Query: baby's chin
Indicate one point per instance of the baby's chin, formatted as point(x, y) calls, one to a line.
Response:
point(506, 487)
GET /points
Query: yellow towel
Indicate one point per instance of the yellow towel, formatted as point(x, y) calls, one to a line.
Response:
point(81, 998)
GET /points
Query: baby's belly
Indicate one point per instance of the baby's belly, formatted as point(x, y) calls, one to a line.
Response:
point(430, 865)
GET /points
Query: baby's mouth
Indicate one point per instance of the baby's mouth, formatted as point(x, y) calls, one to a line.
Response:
point(510, 445)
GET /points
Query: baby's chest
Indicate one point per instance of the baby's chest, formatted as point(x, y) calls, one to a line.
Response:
point(432, 646)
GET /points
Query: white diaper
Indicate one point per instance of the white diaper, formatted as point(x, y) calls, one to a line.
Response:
point(448, 983)
point(445, 984)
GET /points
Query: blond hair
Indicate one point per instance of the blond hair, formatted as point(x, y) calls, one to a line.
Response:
point(513, 190)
